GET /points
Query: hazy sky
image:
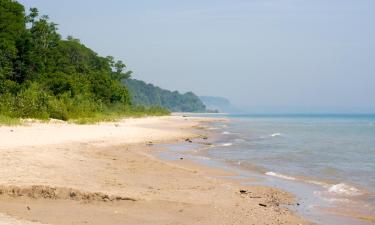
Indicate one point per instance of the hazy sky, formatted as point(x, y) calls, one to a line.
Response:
point(295, 55)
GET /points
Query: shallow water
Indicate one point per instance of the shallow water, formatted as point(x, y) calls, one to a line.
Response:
point(327, 161)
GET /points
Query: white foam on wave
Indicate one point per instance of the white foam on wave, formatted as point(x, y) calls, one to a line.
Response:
point(319, 183)
point(226, 144)
point(202, 157)
point(331, 199)
point(226, 132)
point(275, 134)
point(279, 175)
point(344, 189)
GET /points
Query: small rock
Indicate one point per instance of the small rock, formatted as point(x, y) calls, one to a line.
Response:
point(188, 140)
point(298, 203)
point(28, 208)
point(72, 194)
point(261, 204)
point(243, 191)
point(181, 158)
point(11, 130)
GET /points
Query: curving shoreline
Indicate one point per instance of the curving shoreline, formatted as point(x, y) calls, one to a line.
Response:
point(116, 159)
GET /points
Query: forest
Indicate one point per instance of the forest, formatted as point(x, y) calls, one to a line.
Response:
point(45, 76)
point(143, 94)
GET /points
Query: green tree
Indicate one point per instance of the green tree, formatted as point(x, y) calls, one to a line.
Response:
point(42, 75)
point(150, 95)
point(12, 26)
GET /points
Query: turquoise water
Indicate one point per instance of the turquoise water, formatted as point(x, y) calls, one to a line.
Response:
point(335, 153)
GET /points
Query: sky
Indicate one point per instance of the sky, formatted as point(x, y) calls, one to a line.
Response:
point(263, 55)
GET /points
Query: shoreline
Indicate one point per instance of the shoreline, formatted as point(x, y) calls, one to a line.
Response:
point(321, 201)
point(116, 180)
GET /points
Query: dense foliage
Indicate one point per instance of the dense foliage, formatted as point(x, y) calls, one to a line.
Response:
point(44, 76)
point(150, 95)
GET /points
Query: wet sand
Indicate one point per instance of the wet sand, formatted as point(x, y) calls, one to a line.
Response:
point(62, 173)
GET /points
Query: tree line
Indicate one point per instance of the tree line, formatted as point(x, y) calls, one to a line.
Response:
point(43, 75)
point(150, 95)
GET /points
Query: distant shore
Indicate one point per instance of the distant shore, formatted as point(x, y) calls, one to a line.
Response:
point(60, 173)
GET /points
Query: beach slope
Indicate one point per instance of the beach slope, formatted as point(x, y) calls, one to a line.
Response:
point(60, 173)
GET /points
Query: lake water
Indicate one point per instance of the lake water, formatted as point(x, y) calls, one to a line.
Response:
point(327, 161)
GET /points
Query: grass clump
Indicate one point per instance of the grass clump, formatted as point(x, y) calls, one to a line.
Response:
point(32, 102)
point(9, 121)
point(113, 115)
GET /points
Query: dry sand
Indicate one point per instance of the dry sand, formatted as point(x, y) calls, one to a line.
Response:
point(60, 173)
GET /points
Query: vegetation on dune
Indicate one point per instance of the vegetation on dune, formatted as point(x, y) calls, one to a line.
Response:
point(9, 121)
point(150, 95)
point(43, 76)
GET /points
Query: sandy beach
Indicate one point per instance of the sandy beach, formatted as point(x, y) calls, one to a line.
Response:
point(60, 173)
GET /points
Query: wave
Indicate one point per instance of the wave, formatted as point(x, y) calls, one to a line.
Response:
point(227, 144)
point(275, 134)
point(202, 157)
point(344, 189)
point(279, 175)
point(330, 198)
point(226, 132)
point(337, 189)
point(239, 140)
point(319, 183)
